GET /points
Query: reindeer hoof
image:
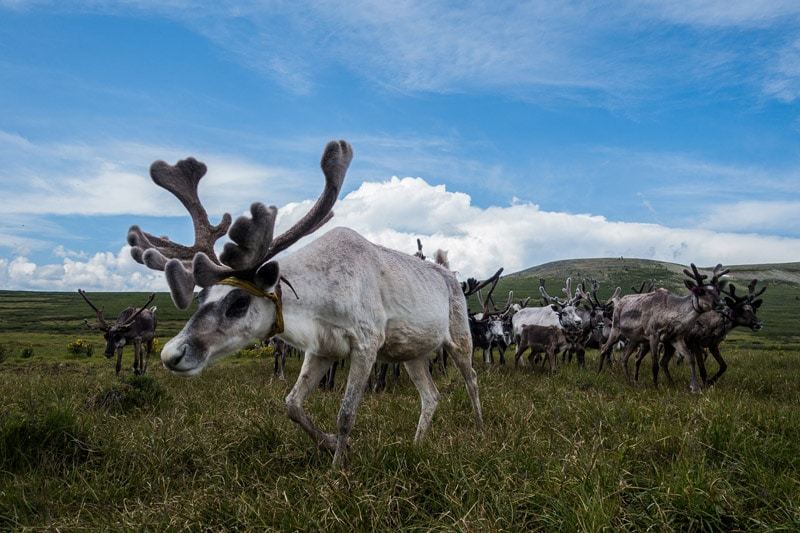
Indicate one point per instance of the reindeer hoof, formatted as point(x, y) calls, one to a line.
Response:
point(328, 442)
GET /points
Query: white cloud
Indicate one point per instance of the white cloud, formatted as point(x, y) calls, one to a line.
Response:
point(103, 271)
point(756, 216)
point(395, 212)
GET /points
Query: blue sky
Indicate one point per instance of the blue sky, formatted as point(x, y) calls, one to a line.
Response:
point(539, 131)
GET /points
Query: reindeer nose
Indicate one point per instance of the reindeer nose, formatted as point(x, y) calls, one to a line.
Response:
point(174, 360)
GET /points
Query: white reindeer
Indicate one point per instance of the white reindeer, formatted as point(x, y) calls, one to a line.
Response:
point(353, 298)
point(559, 313)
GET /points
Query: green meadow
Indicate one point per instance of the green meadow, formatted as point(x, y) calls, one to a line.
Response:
point(82, 449)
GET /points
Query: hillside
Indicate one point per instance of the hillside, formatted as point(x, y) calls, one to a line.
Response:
point(64, 312)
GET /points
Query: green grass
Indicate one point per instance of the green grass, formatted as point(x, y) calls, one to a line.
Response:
point(83, 450)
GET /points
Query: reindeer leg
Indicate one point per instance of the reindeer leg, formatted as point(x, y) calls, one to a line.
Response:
point(137, 357)
point(627, 355)
point(361, 363)
point(428, 395)
point(644, 349)
point(381, 382)
point(119, 361)
point(461, 350)
point(694, 385)
point(148, 351)
point(714, 349)
point(699, 354)
point(312, 371)
point(669, 351)
point(607, 348)
point(502, 349)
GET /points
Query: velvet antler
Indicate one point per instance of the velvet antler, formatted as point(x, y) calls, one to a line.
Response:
point(251, 237)
point(102, 325)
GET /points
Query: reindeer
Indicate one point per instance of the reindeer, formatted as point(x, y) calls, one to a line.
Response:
point(595, 323)
point(354, 299)
point(440, 258)
point(557, 312)
point(133, 325)
point(659, 316)
point(710, 330)
point(549, 340)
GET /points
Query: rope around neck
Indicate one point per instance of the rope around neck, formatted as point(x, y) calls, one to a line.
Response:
point(275, 297)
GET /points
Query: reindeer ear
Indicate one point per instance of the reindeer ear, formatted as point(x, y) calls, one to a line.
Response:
point(267, 275)
point(554, 308)
point(689, 284)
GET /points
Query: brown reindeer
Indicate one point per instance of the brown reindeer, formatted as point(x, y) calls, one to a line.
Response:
point(659, 316)
point(134, 325)
point(549, 340)
point(710, 330)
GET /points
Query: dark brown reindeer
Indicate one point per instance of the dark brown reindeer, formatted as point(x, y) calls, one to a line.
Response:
point(595, 325)
point(549, 340)
point(659, 316)
point(134, 325)
point(710, 330)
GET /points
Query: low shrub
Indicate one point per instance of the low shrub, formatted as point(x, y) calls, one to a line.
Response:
point(131, 394)
point(256, 351)
point(80, 347)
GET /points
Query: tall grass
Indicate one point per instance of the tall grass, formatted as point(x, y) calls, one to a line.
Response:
point(572, 451)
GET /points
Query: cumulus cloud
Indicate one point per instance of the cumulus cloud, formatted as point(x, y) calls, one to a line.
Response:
point(756, 216)
point(103, 271)
point(479, 240)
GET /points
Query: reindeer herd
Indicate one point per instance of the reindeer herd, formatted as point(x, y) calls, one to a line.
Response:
point(343, 298)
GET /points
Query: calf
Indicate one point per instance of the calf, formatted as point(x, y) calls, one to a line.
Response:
point(549, 340)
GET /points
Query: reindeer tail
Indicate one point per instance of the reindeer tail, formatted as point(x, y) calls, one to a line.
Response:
point(440, 257)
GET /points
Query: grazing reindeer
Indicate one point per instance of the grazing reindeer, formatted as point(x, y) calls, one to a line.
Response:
point(710, 329)
point(354, 299)
point(660, 316)
point(135, 326)
point(549, 340)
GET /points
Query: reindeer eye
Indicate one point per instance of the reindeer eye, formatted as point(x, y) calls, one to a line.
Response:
point(238, 308)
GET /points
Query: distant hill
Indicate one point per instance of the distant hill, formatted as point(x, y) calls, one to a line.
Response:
point(60, 312)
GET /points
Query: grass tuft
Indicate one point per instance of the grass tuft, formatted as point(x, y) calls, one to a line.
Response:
point(53, 440)
point(133, 393)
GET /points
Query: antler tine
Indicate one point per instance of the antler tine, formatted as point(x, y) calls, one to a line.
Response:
point(475, 286)
point(99, 312)
point(547, 298)
point(335, 161)
point(719, 271)
point(751, 289)
point(182, 181)
point(142, 308)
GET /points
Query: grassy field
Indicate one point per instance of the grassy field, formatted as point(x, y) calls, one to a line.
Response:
point(81, 449)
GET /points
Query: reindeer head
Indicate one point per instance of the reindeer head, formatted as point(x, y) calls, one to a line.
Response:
point(115, 334)
point(742, 309)
point(567, 315)
point(600, 312)
point(705, 295)
point(240, 300)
